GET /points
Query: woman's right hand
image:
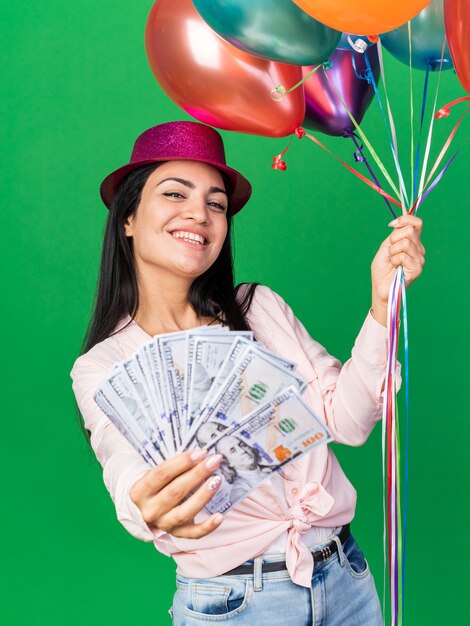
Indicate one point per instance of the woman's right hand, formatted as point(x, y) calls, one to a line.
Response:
point(159, 494)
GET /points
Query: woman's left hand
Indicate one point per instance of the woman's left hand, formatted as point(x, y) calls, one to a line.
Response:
point(402, 247)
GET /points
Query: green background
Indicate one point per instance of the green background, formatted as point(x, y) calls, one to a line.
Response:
point(76, 91)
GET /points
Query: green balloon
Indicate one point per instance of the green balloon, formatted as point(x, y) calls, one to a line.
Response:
point(427, 37)
point(272, 29)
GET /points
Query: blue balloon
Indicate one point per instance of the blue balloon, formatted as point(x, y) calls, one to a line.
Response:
point(272, 29)
point(427, 37)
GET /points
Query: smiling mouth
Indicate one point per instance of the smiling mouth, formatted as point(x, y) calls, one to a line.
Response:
point(192, 238)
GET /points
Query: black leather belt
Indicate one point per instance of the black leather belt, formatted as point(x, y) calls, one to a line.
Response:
point(318, 556)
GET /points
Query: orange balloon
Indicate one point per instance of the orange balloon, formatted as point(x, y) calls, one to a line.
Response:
point(360, 17)
point(215, 82)
point(457, 21)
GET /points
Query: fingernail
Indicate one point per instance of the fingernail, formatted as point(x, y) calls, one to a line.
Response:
point(393, 223)
point(217, 519)
point(215, 482)
point(213, 461)
point(197, 454)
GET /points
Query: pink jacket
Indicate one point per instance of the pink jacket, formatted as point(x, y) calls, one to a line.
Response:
point(316, 489)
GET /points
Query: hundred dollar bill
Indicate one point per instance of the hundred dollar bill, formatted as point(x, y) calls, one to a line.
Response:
point(143, 366)
point(200, 331)
point(118, 381)
point(123, 427)
point(208, 355)
point(117, 412)
point(290, 365)
point(269, 438)
point(172, 349)
point(158, 389)
point(255, 380)
point(232, 359)
point(236, 352)
point(137, 383)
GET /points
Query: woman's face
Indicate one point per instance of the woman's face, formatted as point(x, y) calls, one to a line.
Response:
point(238, 454)
point(181, 221)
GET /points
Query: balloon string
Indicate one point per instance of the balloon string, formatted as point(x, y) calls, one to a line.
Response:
point(399, 525)
point(407, 436)
point(388, 448)
point(434, 182)
point(442, 112)
point(393, 488)
point(365, 74)
point(418, 149)
point(366, 141)
point(279, 92)
point(392, 135)
point(412, 136)
point(430, 132)
point(280, 164)
point(363, 159)
point(394, 466)
point(442, 153)
point(445, 110)
point(384, 481)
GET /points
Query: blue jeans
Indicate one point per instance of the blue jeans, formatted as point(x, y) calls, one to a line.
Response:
point(342, 593)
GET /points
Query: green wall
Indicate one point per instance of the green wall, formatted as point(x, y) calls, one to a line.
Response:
point(76, 90)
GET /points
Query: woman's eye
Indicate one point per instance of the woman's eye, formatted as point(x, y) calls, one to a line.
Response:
point(217, 205)
point(173, 194)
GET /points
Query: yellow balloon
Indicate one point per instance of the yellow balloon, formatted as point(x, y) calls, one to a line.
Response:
point(361, 17)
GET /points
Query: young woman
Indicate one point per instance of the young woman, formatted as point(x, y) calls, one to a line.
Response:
point(285, 554)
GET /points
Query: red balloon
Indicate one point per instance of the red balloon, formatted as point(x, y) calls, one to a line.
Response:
point(457, 21)
point(215, 82)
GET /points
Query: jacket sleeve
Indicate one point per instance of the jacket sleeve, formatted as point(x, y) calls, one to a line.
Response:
point(350, 396)
point(122, 465)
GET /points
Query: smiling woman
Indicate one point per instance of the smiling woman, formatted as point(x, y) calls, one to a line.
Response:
point(179, 228)
point(176, 183)
point(285, 553)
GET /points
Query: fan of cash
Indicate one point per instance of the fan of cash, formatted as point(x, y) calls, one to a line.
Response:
point(213, 388)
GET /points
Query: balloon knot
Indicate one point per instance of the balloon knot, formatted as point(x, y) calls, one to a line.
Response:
point(359, 45)
point(373, 38)
point(278, 92)
point(358, 157)
point(444, 112)
point(278, 163)
point(327, 65)
point(366, 75)
point(300, 132)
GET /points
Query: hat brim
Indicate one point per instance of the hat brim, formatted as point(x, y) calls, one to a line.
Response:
point(241, 188)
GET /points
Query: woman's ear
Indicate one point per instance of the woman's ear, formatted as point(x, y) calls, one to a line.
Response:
point(129, 226)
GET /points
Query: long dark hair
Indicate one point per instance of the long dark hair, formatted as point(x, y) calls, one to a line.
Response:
point(213, 294)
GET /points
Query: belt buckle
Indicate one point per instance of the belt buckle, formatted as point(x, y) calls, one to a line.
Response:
point(326, 553)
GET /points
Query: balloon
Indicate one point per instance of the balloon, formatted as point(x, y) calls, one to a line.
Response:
point(215, 82)
point(324, 110)
point(272, 29)
point(457, 21)
point(427, 37)
point(362, 16)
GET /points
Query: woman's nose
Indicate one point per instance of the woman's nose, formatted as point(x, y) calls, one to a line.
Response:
point(197, 209)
